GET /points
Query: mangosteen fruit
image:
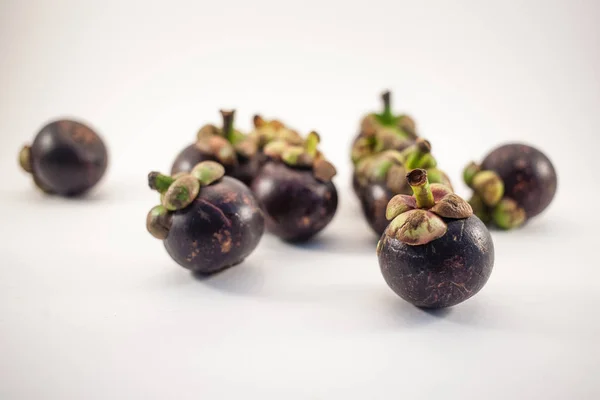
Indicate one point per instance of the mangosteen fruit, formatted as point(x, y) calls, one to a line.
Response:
point(207, 221)
point(383, 131)
point(66, 158)
point(226, 145)
point(295, 190)
point(379, 177)
point(435, 252)
point(514, 183)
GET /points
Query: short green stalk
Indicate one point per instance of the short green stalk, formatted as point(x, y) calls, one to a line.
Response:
point(417, 179)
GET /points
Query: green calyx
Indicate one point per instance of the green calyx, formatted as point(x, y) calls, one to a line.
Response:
point(225, 143)
point(208, 172)
point(390, 167)
point(25, 159)
point(419, 155)
point(508, 215)
point(158, 222)
point(383, 167)
point(417, 219)
point(488, 201)
point(487, 185)
point(179, 191)
point(305, 155)
point(159, 182)
point(266, 132)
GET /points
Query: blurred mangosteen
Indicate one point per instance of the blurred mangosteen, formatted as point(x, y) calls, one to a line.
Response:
point(514, 183)
point(66, 158)
point(226, 145)
point(379, 177)
point(295, 190)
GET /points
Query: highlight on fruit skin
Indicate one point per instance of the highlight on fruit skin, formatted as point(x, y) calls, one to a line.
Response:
point(206, 220)
point(379, 177)
point(514, 183)
point(295, 189)
point(66, 158)
point(435, 252)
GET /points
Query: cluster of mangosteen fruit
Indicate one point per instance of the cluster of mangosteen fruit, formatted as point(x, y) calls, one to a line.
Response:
point(227, 187)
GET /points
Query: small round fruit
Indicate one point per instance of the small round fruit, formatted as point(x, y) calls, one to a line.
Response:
point(435, 252)
point(528, 175)
point(219, 229)
point(441, 273)
point(296, 204)
point(207, 221)
point(66, 158)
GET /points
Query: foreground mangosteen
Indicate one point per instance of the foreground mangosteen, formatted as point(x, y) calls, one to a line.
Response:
point(207, 221)
point(66, 158)
point(295, 190)
point(379, 177)
point(513, 184)
point(231, 148)
point(383, 131)
point(435, 253)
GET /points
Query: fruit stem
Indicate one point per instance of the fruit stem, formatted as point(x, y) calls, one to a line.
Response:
point(418, 155)
point(25, 159)
point(387, 116)
point(417, 179)
point(159, 182)
point(228, 116)
point(312, 142)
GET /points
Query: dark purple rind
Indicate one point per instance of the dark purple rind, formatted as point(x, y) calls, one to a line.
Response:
point(190, 156)
point(528, 175)
point(218, 230)
point(374, 199)
point(245, 171)
point(296, 205)
point(444, 272)
point(68, 158)
point(248, 168)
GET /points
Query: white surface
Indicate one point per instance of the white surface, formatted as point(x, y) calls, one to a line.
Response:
point(91, 306)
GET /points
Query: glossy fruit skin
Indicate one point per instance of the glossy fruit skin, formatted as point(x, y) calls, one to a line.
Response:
point(443, 272)
point(219, 229)
point(529, 176)
point(245, 170)
point(374, 198)
point(67, 158)
point(296, 205)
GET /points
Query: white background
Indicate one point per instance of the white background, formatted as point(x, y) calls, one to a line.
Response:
point(91, 306)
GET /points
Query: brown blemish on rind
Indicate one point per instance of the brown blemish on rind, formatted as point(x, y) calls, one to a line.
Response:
point(305, 222)
point(224, 239)
point(83, 135)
